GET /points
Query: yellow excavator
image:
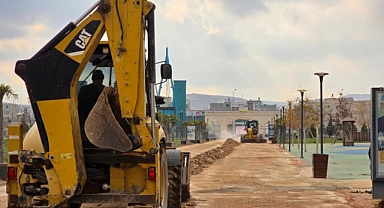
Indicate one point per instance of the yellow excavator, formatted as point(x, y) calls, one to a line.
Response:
point(118, 154)
point(252, 133)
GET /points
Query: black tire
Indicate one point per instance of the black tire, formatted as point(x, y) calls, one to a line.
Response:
point(242, 138)
point(174, 186)
point(164, 177)
point(74, 205)
point(69, 205)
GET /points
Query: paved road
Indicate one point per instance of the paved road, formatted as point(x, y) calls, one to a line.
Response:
point(265, 175)
point(194, 149)
point(3, 195)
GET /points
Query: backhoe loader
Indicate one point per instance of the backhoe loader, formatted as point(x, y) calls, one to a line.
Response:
point(117, 153)
point(252, 133)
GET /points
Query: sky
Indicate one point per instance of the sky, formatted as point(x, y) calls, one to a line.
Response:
point(247, 49)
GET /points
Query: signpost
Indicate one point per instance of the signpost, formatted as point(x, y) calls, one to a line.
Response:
point(377, 142)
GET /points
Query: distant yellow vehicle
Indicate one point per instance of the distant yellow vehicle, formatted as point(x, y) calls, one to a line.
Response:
point(252, 133)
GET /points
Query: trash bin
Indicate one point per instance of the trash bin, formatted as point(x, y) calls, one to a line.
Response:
point(320, 165)
point(273, 140)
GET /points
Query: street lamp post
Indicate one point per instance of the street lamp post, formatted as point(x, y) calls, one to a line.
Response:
point(283, 127)
point(321, 76)
point(233, 97)
point(269, 130)
point(181, 124)
point(289, 126)
point(302, 121)
point(273, 126)
point(277, 125)
point(194, 123)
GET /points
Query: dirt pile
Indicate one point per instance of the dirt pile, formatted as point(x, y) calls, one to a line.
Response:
point(201, 161)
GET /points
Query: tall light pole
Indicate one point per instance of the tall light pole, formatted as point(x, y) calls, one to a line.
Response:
point(289, 125)
point(274, 136)
point(233, 93)
point(277, 125)
point(269, 129)
point(302, 121)
point(283, 127)
point(181, 124)
point(321, 76)
point(233, 97)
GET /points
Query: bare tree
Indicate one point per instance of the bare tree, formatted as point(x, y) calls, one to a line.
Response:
point(362, 113)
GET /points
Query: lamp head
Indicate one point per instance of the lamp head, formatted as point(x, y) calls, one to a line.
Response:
point(321, 74)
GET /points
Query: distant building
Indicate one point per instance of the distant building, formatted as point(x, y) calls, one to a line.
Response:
point(16, 113)
point(226, 106)
point(257, 105)
point(250, 105)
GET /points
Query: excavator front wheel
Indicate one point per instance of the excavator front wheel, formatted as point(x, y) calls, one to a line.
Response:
point(174, 188)
point(163, 198)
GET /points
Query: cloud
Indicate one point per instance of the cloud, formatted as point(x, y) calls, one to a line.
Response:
point(264, 49)
point(177, 11)
point(245, 7)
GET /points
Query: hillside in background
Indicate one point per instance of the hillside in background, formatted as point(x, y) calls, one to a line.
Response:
point(202, 101)
point(359, 96)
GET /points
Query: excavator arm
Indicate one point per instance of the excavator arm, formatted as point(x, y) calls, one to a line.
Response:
point(51, 77)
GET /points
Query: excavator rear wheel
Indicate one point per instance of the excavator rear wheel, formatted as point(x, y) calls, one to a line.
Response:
point(163, 192)
point(174, 187)
point(70, 205)
point(74, 205)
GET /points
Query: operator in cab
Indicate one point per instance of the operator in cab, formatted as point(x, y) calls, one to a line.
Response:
point(88, 96)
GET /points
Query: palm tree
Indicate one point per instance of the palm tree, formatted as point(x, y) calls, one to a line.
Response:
point(172, 121)
point(5, 90)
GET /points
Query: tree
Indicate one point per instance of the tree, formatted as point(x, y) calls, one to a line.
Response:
point(342, 108)
point(5, 91)
point(362, 113)
point(330, 129)
point(311, 115)
point(172, 121)
point(167, 122)
point(364, 128)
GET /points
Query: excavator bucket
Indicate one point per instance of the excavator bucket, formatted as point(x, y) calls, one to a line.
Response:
point(102, 128)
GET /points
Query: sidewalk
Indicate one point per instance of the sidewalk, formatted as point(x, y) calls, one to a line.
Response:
point(344, 162)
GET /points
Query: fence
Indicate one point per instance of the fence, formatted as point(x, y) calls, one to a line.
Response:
point(362, 137)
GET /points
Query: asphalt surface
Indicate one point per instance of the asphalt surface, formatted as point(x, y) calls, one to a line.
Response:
point(266, 175)
point(344, 162)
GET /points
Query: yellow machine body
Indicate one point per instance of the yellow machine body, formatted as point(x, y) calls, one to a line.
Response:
point(251, 133)
point(55, 165)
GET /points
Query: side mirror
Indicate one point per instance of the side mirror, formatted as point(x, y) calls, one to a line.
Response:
point(166, 71)
point(159, 100)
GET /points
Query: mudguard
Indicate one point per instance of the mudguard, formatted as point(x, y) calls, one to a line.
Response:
point(174, 156)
